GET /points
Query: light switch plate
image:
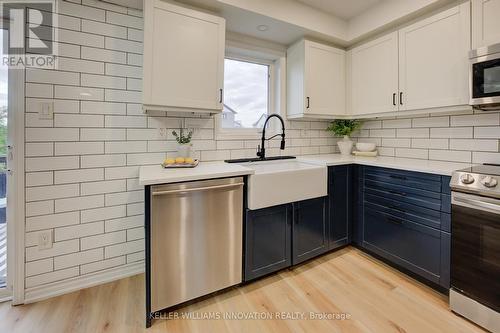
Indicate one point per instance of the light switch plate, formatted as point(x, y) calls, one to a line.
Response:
point(45, 240)
point(46, 111)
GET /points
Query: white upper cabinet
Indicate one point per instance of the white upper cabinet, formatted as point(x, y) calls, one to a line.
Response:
point(420, 67)
point(183, 59)
point(315, 81)
point(485, 22)
point(374, 76)
point(433, 61)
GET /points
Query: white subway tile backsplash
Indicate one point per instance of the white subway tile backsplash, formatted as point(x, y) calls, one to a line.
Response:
point(123, 248)
point(52, 77)
point(126, 121)
point(79, 203)
point(481, 157)
point(79, 38)
point(41, 279)
point(52, 134)
point(123, 45)
point(78, 231)
point(103, 108)
point(102, 134)
point(124, 20)
point(39, 267)
point(98, 241)
point(39, 90)
point(102, 265)
point(105, 213)
point(431, 122)
point(110, 186)
point(39, 178)
point(475, 145)
point(102, 81)
point(126, 96)
point(39, 208)
point(482, 119)
point(79, 148)
point(78, 120)
point(79, 258)
point(450, 155)
point(105, 29)
point(124, 198)
point(492, 132)
point(452, 132)
point(79, 175)
point(126, 147)
point(96, 54)
point(51, 192)
point(81, 11)
point(101, 161)
point(122, 172)
point(429, 143)
point(412, 133)
point(39, 149)
point(51, 163)
point(80, 93)
point(52, 221)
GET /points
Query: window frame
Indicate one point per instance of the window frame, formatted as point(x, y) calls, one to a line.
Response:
point(249, 133)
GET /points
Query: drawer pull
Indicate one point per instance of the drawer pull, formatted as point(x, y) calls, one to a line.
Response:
point(394, 220)
point(403, 194)
point(398, 177)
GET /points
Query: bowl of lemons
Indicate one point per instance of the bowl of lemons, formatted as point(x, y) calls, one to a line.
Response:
point(179, 162)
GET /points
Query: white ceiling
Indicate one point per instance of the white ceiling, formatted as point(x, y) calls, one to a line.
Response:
point(345, 9)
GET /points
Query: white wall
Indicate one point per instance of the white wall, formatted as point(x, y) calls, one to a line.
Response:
point(82, 167)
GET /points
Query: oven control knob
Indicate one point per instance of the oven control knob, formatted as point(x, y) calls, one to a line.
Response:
point(467, 179)
point(489, 181)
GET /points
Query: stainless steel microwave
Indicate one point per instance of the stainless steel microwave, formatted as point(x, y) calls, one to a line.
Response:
point(485, 78)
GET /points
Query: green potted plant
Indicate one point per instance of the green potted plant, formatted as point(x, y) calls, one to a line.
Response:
point(183, 142)
point(344, 128)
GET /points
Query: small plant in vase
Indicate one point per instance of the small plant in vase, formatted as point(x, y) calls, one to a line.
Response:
point(184, 142)
point(344, 127)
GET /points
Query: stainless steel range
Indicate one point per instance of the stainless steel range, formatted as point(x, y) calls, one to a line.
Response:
point(475, 245)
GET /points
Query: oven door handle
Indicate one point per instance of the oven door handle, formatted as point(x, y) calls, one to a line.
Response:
point(476, 203)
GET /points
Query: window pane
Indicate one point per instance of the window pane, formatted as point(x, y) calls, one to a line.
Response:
point(246, 94)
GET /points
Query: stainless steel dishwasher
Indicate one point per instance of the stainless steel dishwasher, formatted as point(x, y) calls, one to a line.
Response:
point(196, 239)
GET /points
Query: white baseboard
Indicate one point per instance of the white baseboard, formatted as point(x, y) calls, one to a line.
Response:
point(53, 289)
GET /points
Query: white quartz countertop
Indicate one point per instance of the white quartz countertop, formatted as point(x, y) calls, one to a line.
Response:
point(410, 164)
point(155, 174)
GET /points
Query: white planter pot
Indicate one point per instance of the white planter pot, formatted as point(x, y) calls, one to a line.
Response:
point(184, 150)
point(345, 146)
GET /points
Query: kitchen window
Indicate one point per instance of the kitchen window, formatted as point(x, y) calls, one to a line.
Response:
point(248, 97)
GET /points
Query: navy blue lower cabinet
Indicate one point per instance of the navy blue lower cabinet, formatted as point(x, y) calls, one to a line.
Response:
point(267, 241)
point(340, 198)
point(403, 223)
point(309, 230)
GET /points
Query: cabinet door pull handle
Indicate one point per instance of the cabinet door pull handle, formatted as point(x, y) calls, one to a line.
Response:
point(308, 100)
point(397, 208)
point(398, 177)
point(394, 99)
point(220, 95)
point(401, 98)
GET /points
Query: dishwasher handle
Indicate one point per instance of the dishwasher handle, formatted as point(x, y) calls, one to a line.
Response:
point(196, 189)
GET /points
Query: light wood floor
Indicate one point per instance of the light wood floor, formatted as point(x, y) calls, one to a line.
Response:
point(377, 298)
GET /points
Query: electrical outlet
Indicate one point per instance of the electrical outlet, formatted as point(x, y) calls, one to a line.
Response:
point(45, 240)
point(46, 111)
